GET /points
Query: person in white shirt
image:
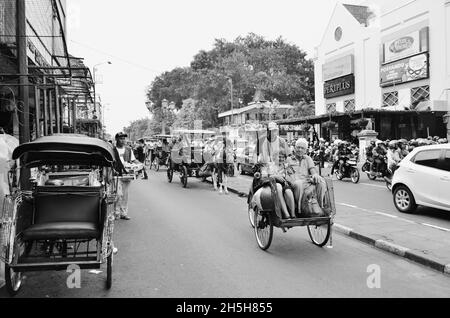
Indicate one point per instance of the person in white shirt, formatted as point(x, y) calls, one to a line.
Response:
point(127, 157)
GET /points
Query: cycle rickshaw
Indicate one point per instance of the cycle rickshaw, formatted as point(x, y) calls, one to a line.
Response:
point(67, 217)
point(160, 156)
point(186, 157)
point(266, 214)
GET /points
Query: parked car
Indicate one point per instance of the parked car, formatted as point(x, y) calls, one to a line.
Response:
point(423, 178)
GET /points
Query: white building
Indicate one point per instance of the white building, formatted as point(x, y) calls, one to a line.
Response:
point(390, 58)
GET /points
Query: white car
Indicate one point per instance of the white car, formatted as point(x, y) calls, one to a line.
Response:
point(423, 178)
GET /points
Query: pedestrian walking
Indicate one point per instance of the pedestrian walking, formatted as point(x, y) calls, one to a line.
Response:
point(140, 154)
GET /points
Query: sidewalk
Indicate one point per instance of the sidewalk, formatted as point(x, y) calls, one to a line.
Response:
point(427, 246)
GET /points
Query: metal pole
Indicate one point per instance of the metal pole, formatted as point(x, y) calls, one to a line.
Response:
point(58, 111)
point(232, 102)
point(74, 116)
point(37, 98)
point(95, 88)
point(44, 91)
point(24, 108)
point(50, 105)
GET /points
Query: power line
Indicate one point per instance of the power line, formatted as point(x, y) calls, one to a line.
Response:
point(118, 58)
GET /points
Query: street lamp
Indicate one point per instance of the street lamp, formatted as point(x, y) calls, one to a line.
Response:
point(94, 69)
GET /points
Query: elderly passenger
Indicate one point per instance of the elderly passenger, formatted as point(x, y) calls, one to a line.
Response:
point(301, 173)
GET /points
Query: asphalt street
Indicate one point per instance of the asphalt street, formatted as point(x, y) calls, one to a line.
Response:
point(195, 243)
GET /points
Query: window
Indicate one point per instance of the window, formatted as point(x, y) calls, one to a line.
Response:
point(446, 163)
point(349, 106)
point(390, 99)
point(419, 94)
point(331, 108)
point(428, 158)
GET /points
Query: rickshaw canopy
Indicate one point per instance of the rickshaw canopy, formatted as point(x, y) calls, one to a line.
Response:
point(66, 149)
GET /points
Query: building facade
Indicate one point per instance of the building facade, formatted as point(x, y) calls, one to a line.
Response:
point(389, 62)
point(255, 112)
point(42, 86)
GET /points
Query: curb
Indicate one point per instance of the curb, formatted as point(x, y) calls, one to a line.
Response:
point(395, 249)
point(392, 248)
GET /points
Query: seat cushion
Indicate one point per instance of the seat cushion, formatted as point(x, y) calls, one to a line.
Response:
point(62, 231)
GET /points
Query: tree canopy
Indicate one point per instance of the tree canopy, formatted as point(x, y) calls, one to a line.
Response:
point(247, 65)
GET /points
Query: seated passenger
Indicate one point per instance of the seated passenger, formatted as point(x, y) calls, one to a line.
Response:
point(301, 173)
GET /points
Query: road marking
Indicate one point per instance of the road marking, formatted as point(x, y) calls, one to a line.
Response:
point(386, 214)
point(436, 227)
point(373, 185)
point(348, 205)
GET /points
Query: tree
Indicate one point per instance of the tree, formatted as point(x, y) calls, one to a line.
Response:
point(277, 69)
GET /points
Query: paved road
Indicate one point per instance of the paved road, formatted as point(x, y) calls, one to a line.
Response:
point(195, 243)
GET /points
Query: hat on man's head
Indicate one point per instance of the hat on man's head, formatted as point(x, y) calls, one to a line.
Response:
point(142, 141)
point(121, 135)
point(272, 126)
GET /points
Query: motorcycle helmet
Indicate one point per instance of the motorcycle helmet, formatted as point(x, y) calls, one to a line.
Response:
point(393, 144)
point(378, 142)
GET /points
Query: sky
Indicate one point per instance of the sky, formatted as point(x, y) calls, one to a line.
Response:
point(144, 38)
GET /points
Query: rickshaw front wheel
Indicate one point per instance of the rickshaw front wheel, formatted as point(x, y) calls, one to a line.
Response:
point(320, 234)
point(263, 229)
point(13, 281)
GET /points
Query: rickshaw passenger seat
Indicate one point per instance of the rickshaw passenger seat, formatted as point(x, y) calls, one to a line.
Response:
point(66, 213)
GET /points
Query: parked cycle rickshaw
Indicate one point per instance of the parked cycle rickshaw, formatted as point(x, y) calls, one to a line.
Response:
point(160, 154)
point(186, 156)
point(67, 217)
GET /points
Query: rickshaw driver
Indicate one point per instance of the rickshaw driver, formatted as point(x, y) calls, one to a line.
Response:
point(274, 152)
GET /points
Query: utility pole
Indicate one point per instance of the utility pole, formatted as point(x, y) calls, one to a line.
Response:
point(22, 61)
point(23, 105)
point(232, 101)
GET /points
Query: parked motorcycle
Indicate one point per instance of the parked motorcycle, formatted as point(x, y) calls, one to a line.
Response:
point(346, 167)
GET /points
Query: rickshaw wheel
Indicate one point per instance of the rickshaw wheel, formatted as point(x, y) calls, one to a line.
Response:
point(251, 216)
point(355, 175)
point(109, 263)
point(170, 175)
point(263, 230)
point(156, 164)
point(319, 234)
point(184, 176)
point(13, 281)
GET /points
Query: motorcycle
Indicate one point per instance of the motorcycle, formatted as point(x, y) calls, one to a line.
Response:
point(381, 170)
point(347, 168)
point(390, 175)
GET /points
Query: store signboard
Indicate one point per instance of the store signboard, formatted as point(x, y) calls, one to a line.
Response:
point(338, 68)
point(407, 45)
point(340, 87)
point(407, 70)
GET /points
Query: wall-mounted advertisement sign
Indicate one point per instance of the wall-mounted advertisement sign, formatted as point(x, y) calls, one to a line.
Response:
point(338, 68)
point(407, 45)
point(407, 70)
point(340, 86)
